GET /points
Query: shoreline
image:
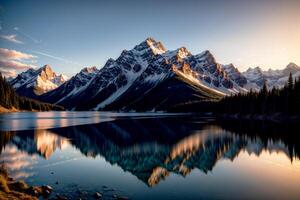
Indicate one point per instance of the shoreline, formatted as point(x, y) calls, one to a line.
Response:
point(276, 117)
point(14, 190)
point(7, 110)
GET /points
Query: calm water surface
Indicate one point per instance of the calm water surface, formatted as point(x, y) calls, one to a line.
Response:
point(151, 156)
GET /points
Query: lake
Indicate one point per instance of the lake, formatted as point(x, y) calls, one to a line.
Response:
point(151, 155)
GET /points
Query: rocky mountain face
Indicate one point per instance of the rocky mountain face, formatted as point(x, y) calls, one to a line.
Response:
point(274, 78)
point(149, 77)
point(33, 83)
point(64, 94)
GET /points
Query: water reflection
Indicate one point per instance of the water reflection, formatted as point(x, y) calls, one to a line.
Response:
point(150, 149)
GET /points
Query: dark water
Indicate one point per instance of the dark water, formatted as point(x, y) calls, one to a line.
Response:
point(150, 156)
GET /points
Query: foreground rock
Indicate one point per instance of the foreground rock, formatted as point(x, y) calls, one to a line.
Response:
point(11, 189)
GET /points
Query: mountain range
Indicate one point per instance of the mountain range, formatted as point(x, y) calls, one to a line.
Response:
point(147, 78)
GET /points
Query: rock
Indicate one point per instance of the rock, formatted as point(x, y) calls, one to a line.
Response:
point(47, 188)
point(46, 193)
point(97, 195)
point(56, 182)
point(59, 197)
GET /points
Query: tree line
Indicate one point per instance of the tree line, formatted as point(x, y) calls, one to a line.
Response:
point(284, 100)
point(9, 99)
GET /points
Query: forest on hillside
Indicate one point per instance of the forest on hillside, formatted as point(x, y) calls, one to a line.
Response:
point(10, 100)
point(284, 101)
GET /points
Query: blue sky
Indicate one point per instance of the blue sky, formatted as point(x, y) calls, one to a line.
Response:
point(70, 35)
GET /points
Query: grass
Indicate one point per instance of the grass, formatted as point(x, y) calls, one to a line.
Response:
point(3, 185)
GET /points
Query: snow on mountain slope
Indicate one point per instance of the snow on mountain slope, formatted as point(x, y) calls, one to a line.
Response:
point(146, 67)
point(274, 78)
point(33, 82)
point(64, 94)
point(226, 79)
point(118, 75)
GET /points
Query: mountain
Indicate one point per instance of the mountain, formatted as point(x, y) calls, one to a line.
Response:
point(150, 77)
point(65, 93)
point(10, 101)
point(33, 83)
point(273, 78)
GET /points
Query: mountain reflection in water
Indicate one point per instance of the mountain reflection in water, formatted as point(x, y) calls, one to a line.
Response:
point(149, 149)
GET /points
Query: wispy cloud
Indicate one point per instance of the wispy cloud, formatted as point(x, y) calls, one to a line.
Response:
point(8, 73)
point(57, 58)
point(11, 38)
point(14, 65)
point(17, 29)
point(12, 61)
point(7, 54)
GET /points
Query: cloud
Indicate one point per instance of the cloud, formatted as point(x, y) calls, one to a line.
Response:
point(12, 61)
point(56, 58)
point(11, 38)
point(8, 73)
point(14, 65)
point(7, 54)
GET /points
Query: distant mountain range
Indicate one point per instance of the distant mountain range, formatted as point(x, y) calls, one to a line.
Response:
point(274, 78)
point(147, 78)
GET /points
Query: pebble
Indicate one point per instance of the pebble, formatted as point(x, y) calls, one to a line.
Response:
point(59, 197)
point(98, 195)
point(47, 187)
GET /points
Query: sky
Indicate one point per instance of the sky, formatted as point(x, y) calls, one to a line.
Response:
point(70, 35)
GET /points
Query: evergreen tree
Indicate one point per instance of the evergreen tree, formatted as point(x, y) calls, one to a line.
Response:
point(9, 99)
point(290, 81)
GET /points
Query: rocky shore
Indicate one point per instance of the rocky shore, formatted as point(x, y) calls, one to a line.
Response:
point(19, 190)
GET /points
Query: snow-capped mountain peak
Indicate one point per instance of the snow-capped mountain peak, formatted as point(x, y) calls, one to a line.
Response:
point(36, 82)
point(291, 68)
point(88, 70)
point(156, 47)
point(292, 65)
point(206, 56)
point(152, 45)
point(273, 78)
point(71, 88)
